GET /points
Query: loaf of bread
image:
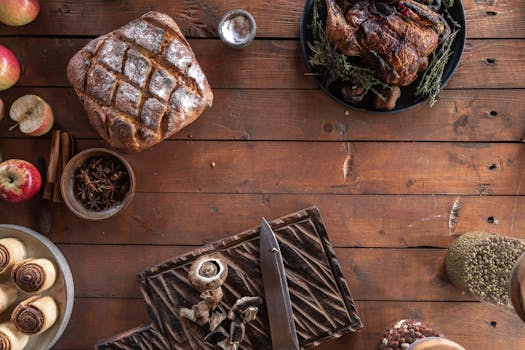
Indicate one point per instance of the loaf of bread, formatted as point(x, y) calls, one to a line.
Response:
point(140, 83)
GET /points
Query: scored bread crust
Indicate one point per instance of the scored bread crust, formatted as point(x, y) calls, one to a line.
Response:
point(140, 83)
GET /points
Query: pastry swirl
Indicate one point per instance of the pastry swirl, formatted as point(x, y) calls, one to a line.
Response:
point(34, 275)
point(8, 294)
point(5, 344)
point(11, 338)
point(4, 257)
point(11, 252)
point(35, 315)
point(29, 319)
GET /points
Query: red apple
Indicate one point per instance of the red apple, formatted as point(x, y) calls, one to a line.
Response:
point(19, 180)
point(33, 114)
point(9, 68)
point(18, 12)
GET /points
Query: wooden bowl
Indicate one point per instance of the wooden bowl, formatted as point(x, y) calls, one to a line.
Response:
point(67, 185)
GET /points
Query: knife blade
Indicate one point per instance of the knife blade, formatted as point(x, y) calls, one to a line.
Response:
point(277, 296)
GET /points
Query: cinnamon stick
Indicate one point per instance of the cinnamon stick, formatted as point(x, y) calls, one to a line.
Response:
point(66, 148)
point(65, 156)
point(52, 166)
point(57, 196)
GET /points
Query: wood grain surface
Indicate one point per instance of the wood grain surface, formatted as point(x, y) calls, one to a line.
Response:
point(271, 64)
point(199, 18)
point(488, 115)
point(308, 167)
point(104, 317)
point(272, 144)
point(364, 221)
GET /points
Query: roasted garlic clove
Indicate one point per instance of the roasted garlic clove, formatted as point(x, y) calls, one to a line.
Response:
point(208, 273)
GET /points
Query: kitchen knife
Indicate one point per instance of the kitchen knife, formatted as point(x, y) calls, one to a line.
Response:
point(276, 294)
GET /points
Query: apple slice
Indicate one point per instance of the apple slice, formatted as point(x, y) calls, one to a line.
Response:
point(33, 114)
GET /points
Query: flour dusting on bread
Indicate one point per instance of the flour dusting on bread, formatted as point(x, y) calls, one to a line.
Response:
point(140, 83)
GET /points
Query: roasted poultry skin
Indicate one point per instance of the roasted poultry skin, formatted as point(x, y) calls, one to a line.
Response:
point(394, 38)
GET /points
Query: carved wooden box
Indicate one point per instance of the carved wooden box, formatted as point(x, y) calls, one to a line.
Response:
point(322, 304)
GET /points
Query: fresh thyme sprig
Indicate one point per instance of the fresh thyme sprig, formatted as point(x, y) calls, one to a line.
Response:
point(335, 65)
point(448, 3)
point(430, 83)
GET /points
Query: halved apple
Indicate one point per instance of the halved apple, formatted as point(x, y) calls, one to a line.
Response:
point(33, 114)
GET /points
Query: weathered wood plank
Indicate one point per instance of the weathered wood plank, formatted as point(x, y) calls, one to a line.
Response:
point(372, 274)
point(279, 114)
point(265, 64)
point(272, 63)
point(352, 220)
point(485, 19)
point(277, 167)
point(496, 61)
point(467, 323)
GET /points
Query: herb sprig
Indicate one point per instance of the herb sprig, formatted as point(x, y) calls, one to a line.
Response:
point(430, 83)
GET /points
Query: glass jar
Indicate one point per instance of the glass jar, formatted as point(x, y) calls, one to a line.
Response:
point(481, 264)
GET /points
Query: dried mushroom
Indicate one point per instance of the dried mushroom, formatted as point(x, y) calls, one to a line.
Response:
point(212, 297)
point(237, 330)
point(243, 304)
point(199, 313)
point(208, 273)
point(249, 314)
point(216, 319)
point(217, 336)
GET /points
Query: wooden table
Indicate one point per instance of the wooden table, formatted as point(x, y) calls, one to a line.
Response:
point(273, 143)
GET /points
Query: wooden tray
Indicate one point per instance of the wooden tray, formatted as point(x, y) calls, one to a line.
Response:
point(322, 303)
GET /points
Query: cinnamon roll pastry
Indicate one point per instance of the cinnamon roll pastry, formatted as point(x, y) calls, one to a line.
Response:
point(34, 275)
point(8, 293)
point(11, 338)
point(35, 315)
point(11, 251)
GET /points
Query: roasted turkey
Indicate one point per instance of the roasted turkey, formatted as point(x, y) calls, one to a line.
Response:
point(394, 38)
